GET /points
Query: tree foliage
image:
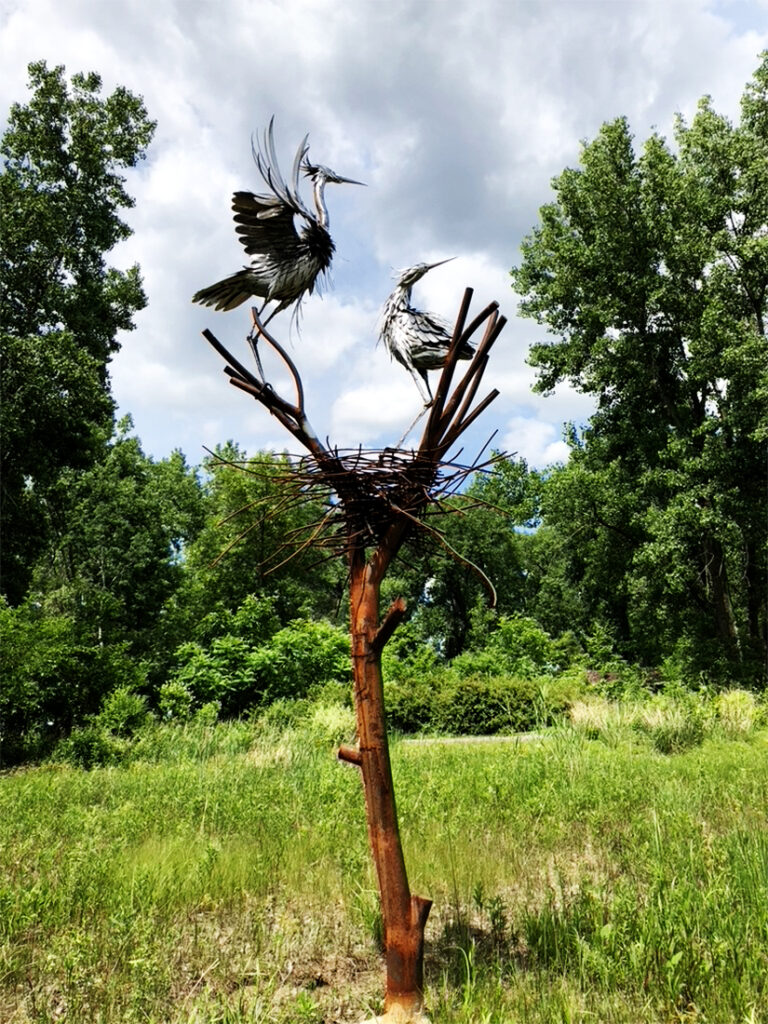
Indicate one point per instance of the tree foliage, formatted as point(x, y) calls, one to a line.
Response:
point(118, 537)
point(252, 514)
point(61, 306)
point(651, 270)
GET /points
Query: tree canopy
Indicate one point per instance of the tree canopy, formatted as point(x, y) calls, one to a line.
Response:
point(651, 271)
point(61, 306)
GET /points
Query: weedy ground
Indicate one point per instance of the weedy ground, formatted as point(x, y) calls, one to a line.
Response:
point(222, 876)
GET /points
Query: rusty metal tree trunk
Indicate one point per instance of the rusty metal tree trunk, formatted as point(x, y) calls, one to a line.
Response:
point(392, 493)
point(404, 916)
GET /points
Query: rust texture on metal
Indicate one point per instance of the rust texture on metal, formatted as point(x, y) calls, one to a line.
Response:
point(373, 502)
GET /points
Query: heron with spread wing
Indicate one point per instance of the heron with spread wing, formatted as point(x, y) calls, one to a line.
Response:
point(285, 262)
point(418, 340)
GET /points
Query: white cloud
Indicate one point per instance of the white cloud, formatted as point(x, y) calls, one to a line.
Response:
point(456, 116)
point(537, 442)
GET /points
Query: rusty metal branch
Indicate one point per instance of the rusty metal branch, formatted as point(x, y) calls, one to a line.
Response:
point(459, 428)
point(349, 754)
point(441, 413)
point(229, 358)
point(395, 615)
point(453, 351)
point(476, 367)
point(293, 417)
point(284, 356)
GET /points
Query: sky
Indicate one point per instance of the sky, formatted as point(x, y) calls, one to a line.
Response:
point(456, 115)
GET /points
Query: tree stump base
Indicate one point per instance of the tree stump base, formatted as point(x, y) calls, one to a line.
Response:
point(399, 1015)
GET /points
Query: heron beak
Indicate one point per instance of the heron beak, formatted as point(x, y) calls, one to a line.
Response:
point(350, 181)
point(439, 263)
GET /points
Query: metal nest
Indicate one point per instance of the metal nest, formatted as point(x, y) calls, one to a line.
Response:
point(375, 497)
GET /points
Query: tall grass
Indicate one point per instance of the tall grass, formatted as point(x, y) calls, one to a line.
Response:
point(222, 875)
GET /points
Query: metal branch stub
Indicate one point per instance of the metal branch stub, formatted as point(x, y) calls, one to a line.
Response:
point(395, 615)
point(349, 754)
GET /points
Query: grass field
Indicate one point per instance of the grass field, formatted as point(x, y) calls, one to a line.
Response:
point(222, 875)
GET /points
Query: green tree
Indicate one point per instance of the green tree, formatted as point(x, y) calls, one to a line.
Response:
point(118, 538)
point(452, 613)
point(651, 271)
point(96, 618)
point(61, 306)
point(254, 522)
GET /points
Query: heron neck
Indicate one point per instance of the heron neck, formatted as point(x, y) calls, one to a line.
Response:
point(322, 211)
point(398, 302)
point(403, 293)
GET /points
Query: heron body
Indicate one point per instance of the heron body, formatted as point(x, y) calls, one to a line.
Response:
point(286, 262)
point(418, 340)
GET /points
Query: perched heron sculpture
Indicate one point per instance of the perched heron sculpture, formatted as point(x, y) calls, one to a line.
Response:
point(420, 341)
point(285, 263)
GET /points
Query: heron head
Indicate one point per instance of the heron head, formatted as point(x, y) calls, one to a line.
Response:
point(324, 175)
point(408, 278)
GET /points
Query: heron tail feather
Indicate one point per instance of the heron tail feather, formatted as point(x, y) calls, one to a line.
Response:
point(228, 293)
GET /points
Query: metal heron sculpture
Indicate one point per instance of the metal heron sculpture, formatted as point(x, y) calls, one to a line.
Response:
point(285, 262)
point(418, 340)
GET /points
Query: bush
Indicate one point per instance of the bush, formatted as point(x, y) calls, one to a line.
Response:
point(301, 656)
point(283, 714)
point(174, 701)
point(50, 680)
point(478, 706)
point(473, 705)
point(123, 712)
point(409, 705)
point(90, 746)
point(517, 647)
point(300, 659)
point(105, 738)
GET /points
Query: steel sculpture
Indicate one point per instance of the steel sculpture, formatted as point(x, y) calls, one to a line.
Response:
point(285, 263)
point(381, 498)
point(418, 340)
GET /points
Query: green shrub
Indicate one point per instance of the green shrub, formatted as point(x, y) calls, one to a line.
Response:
point(409, 705)
point(518, 646)
point(174, 701)
point(123, 712)
point(283, 714)
point(303, 655)
point(474, 705)
point(90, 746)
point(479, 706)
point(526, 648)
point(255, 621)
point(302, 658)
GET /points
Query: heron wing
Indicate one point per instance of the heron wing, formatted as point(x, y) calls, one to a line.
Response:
point(264, 223)
point(429, 338)
point(265, 156)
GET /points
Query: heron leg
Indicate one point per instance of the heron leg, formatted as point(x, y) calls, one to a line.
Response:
point(428, 400)
point(253, 341)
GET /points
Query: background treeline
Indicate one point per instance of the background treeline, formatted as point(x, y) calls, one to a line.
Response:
point(642, 560)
